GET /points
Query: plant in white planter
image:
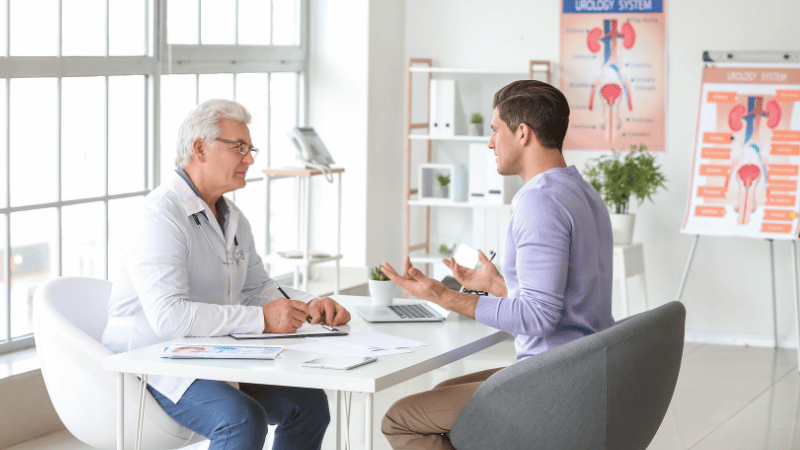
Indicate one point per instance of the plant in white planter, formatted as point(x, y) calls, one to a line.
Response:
point(444, 180)
point(381, 288)
point(477, 124)
point(620, 180)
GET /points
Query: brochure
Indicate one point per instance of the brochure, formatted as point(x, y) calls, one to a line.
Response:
point(180, 351)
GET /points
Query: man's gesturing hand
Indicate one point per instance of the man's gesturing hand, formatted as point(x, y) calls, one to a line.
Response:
point(415, 282)
point(283, 315)
point(487, 278)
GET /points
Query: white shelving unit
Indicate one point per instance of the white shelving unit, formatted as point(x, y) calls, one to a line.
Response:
point(303, 191)
point(419, 132)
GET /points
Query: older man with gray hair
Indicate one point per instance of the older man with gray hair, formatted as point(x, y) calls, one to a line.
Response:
point(190, 268)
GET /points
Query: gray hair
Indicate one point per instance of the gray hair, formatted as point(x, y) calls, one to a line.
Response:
point(203, 123)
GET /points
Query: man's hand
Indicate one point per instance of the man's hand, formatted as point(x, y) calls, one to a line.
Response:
point(417, 284)
point(327, 312)
point(283, 315)
point(487, 278)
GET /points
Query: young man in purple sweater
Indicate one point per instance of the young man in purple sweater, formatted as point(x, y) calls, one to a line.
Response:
point(557, 263)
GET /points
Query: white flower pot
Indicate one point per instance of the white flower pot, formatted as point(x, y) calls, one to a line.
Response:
point(382, 292)
point(622, 228)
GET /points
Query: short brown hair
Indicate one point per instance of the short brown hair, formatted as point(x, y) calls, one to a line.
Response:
point(538, 105)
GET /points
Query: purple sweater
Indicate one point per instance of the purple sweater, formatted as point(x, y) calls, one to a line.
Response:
point(557, 266)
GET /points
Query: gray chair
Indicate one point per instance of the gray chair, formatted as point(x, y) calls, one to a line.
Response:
point(609, 390)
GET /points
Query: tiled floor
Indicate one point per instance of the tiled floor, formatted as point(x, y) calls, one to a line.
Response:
point(732, 398)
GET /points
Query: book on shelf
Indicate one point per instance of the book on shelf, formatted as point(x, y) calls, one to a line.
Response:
point(221, 351)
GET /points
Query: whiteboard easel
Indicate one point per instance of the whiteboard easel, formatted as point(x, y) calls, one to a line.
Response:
point(756, 57)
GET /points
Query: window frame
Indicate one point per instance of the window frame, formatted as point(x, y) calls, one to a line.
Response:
point(160, 58)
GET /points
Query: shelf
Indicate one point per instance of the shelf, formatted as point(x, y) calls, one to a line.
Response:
point(275, 258)
point(468, 71)
point(283, 172)
point(457, 204)
point(428, 137)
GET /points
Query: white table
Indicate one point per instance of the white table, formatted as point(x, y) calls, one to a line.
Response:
point(449, 341)
point(629, 262)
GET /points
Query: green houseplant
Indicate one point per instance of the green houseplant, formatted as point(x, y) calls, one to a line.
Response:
point(381, 288)
point(444, 180)
point(621, 179)
point(477, 124)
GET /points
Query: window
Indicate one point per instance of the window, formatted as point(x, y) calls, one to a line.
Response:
point(92, 95)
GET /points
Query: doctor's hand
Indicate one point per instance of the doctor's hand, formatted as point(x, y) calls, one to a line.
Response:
point(487, 278)
point(283, 315)
point(327, 312)
point(415, 282)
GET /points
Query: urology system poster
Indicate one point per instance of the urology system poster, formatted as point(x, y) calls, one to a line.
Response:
point(613, 73)
point(747, 153)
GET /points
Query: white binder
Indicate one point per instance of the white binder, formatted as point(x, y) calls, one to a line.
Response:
point(443, 108)
point(478, 154)
point(500, 190)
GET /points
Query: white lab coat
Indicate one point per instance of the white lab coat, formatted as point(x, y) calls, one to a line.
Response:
point(172, 284)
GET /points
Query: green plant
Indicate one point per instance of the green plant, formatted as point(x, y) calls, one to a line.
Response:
point(477, 118)
point(444, 249)
point(377, 274)
point(443, 180)
point(618, 179)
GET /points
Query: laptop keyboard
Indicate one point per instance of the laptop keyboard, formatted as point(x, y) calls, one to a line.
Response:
point(411, 311)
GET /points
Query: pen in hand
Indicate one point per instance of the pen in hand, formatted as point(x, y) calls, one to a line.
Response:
point(308, 318)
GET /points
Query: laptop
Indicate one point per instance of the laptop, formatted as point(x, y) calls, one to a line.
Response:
point(399, 313)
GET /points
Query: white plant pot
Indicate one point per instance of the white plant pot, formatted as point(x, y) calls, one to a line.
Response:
point(382, 292)
point(622, 228)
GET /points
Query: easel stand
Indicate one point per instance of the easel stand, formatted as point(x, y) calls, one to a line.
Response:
point(774, 302)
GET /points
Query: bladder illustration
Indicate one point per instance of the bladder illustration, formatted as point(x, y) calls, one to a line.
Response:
point(750, 166)
point(612, 84)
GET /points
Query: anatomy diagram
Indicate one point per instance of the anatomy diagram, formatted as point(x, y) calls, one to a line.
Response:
point(612, 84)
point(750, 165)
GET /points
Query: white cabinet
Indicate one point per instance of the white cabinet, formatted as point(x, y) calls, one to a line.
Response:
point(441, 140)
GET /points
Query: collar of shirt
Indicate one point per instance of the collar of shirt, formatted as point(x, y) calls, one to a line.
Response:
point(569, 171)
point(221, 206)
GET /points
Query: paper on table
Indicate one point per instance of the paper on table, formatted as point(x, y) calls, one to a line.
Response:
point(327, 348)
point(180, 351)
point(372, 341)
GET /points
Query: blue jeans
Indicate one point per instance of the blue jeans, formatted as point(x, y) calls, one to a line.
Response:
point(237, 419)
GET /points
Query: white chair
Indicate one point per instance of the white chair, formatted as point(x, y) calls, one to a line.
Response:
point(70, 314)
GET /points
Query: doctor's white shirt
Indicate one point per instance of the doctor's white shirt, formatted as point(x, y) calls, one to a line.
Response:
point(180, 279)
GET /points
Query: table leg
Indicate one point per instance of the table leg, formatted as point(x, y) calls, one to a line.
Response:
point(140, 421)
point(369, 400)
point(120, 411)
point(338, 408)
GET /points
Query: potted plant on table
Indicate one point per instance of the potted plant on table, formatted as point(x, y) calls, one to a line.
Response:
point(620, 180)
point(381, 288)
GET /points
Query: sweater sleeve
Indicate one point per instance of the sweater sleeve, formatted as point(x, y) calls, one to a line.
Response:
point(542, 239)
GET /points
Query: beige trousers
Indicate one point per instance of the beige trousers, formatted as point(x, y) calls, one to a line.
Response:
point(419, 421)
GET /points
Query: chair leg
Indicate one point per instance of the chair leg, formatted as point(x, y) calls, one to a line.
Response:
point(140, 422)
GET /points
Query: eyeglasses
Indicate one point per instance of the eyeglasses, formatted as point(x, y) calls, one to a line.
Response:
point(244, 149)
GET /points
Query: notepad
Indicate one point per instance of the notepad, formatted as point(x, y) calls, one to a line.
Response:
point(304, 331)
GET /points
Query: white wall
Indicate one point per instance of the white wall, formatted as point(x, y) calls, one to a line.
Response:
point(338, 97)
point(356, 84)
point(728, 294)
